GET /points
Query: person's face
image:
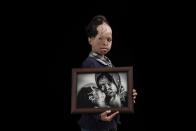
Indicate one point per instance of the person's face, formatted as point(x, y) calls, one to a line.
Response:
point(108, 87)
point(97, 96)
point(102, 42)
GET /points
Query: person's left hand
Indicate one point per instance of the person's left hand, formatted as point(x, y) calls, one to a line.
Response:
point(134, 95)
point(105, 117)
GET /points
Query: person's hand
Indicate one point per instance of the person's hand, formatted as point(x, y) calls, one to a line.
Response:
point(134, 95)
point(106, 117)
point(115, 101)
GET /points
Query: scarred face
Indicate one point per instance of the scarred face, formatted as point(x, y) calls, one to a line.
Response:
point(102, 42)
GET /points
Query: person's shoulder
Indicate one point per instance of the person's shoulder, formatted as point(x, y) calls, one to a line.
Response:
point(89, 62)
point(89, 59)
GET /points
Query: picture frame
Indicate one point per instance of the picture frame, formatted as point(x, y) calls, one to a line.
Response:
point(96, 90)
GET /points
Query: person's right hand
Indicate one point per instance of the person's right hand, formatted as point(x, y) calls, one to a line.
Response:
point(105, 117)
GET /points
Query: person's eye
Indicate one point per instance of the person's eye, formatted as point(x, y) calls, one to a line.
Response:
point(100, 38)
point(109, 39)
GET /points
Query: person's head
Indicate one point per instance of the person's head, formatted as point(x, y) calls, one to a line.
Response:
point(90, 96)
point(108, 84)
point(99, 35)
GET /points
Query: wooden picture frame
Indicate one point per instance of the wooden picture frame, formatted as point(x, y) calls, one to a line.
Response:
point(99, 89)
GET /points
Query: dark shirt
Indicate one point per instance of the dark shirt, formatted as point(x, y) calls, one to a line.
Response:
point(92, 121)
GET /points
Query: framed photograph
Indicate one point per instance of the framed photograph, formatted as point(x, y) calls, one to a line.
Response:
point(99, 89)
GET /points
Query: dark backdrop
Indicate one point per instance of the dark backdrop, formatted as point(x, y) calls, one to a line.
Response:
point(43, 41)
point(145, 37)
point(68, 47)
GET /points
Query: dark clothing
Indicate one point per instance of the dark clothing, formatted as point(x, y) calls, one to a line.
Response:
point(105, 61)
point(82, 129)
point(96, 61)
point(92, 121)
point(91, 62)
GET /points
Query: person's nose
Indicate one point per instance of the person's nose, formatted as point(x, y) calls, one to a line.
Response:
point(105, 42)
point(107, 87)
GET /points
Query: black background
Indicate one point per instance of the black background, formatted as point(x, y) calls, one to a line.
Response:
point(49, 40)
point(70, 47)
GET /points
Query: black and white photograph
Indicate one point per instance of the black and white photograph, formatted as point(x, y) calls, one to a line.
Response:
point(97, 89)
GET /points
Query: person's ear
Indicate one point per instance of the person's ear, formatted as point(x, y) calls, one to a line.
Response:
point(90, 39)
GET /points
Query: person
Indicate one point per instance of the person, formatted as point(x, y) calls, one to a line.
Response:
point(99, 35)
point(90, 96)
point(116, 96)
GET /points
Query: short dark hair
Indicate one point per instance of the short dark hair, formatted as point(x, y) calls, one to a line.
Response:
point(91, 29)
point(83, 99)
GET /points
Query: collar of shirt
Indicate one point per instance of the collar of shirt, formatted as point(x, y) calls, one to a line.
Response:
point(103, 60)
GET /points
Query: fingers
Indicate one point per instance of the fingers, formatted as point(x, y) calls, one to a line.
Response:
point(113, 115)
point(105, 117)
point(105, 113)
point(134, 93)
point(134, 97)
